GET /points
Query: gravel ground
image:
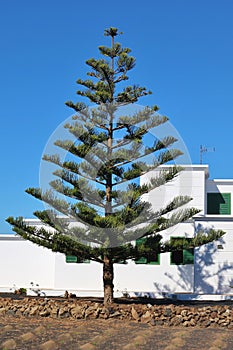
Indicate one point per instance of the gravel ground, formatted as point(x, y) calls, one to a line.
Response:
point(54, 334)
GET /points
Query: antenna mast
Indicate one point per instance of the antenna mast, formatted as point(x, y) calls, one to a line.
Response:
point(204, 149)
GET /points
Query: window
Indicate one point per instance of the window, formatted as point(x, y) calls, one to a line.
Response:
point(74, 259)
point(182, 257)
point(152, 259)
point(219, 203)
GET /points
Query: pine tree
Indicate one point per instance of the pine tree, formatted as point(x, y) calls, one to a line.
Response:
point(111, 151)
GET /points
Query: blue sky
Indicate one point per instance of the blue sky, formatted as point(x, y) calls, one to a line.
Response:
point(184, 52)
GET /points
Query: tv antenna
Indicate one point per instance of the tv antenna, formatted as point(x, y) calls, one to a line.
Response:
point(204, 149)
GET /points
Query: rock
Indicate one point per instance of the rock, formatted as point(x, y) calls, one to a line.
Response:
point(27, 336)
point(115, 314)
point(39, 330)
point(2, 311)
point(7, 328)
point(91, 312)
point(48, 345)
point(87, 346)
point(178, 310)
point(192, 322)
point(171, 315)
point(146, 318)
point(9, 344)
point(184, 313)
point(134, 314)
point(98, 310)
point(227, 313)
point(18, 313)
point(139, 340)
point(26, 312)
point(106, 310)
point(45, 313)
point(176, 320)
point(153, 322)
point(63, 312)
point(10, 312)
point(77, 312)
point(34, 310)
point(54, 311)
point(206, 323)
point(167, 312)
point(224, 322)
point(214, 314)
point(64, 337)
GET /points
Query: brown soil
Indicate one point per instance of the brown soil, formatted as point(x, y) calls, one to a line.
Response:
point(52, 334)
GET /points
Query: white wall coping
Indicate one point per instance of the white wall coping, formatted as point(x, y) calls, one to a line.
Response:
point(225, 181)
point(209, 217)
point(203, 167)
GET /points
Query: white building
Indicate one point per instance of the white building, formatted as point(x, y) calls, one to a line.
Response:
point(203, 272)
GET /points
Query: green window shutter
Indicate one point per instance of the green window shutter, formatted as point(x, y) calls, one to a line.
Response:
point(219, 203)
point(141, 261)
point(154, 259)
point(188, 256)
point(74, 259)
point(71, 259)
point(85, 261)
point(140, 241)
point(225, 208)
point(182, 257)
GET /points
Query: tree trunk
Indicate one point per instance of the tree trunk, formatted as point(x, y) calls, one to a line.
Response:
point(108, 276)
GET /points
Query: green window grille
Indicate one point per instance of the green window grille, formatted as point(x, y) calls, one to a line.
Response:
point(153, 259)
point(219, 203)
point(75, 259)
point(182, 257)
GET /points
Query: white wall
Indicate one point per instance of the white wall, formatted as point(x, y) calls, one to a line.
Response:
point(22, 262)
point(82, 277)
point(190, 182)
point(50, 270)
point(214, 261)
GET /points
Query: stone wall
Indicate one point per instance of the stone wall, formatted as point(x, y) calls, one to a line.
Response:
point(155, 315)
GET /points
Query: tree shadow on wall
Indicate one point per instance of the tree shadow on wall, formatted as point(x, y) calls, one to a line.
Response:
point(210, 274)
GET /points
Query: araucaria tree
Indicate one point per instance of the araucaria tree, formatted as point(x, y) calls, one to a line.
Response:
point(95, 203)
